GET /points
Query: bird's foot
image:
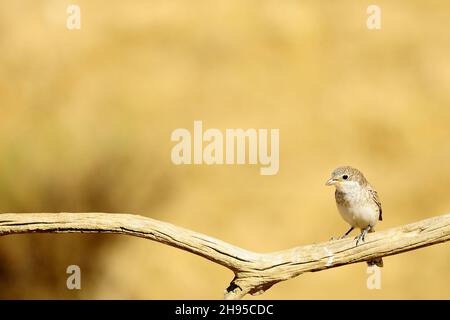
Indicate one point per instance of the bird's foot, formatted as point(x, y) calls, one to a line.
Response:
point(362, 235)
point(359, 238)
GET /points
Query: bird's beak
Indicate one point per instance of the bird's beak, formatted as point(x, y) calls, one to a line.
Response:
point(331, 182)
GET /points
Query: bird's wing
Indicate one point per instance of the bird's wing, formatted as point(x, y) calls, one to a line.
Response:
point(376, 199)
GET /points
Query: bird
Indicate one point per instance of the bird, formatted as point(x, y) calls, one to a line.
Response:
point(357, 202)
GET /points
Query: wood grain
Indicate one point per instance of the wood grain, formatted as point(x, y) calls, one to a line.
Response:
point(254, 272)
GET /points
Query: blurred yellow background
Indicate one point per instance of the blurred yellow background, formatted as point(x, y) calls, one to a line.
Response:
point(86, 117)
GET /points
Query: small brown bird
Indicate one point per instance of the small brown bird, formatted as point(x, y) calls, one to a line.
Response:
point(357, 202)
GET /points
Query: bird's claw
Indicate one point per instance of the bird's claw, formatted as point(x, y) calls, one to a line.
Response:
point(360, 237)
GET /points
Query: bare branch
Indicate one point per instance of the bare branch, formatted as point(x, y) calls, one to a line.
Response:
point(254, 272)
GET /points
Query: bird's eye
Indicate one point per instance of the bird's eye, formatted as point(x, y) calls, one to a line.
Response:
point(345, 177)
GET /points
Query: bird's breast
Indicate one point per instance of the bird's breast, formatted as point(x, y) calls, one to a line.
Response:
point(356, 210)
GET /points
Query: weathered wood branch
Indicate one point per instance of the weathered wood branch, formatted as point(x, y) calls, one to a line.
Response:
point(254, 272)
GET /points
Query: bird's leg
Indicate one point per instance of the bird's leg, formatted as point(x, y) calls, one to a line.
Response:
point(362, 235)
point(346, 234)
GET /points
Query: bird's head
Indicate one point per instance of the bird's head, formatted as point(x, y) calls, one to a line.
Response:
point(346, 178)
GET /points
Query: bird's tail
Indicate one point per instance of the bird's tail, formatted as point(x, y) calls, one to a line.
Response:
point(377, 261)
